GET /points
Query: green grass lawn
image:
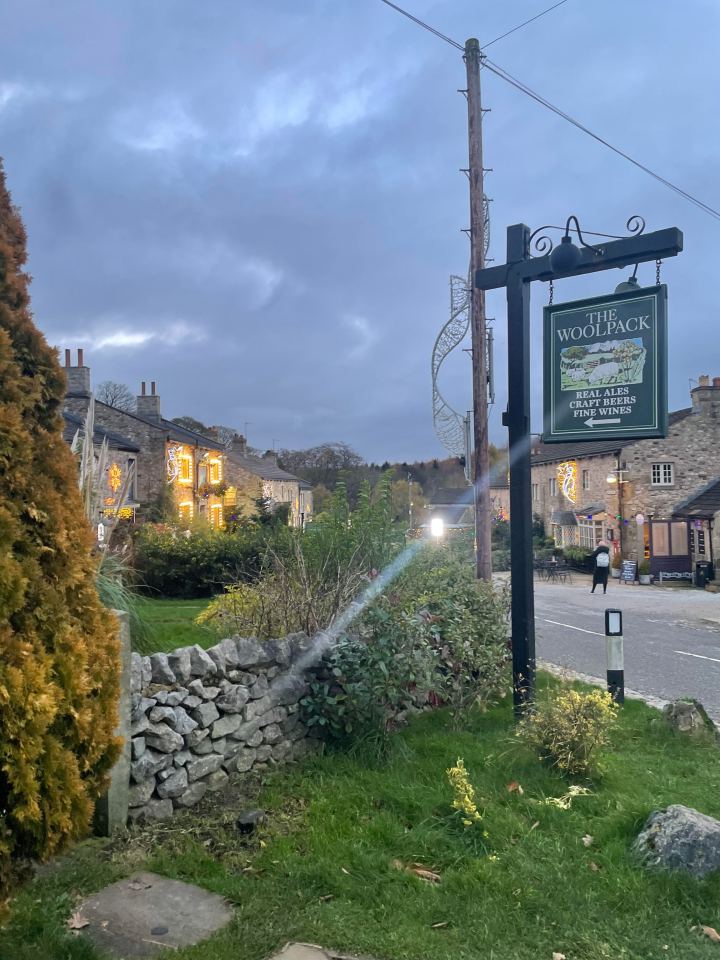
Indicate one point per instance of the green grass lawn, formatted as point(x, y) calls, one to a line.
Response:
point(170, 624)
point(519, 886)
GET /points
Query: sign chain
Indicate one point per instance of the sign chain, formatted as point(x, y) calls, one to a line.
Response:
point(657, 272)
point(552, 292)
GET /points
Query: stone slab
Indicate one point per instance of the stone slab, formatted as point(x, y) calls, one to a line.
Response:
point(146, 913)
point(309, 951)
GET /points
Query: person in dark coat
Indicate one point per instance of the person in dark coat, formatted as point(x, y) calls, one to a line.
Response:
point(601, 569)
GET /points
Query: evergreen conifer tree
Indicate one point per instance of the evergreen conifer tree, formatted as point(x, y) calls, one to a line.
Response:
point(59, 663)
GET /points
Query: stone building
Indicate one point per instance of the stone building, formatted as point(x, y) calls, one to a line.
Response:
point(121, 464)
point(273, 484)
point(641, 496)
point(196, 474)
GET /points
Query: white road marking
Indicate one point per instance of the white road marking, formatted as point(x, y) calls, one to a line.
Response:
point(684, 653)
point(571, 627)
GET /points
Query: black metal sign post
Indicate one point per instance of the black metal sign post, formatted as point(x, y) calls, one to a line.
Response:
point(516, 275)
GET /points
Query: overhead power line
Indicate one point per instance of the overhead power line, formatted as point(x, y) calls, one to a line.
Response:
point(523, 24)
point(538, 98)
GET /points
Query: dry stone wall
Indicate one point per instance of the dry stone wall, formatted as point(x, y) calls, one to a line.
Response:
point(200, 715)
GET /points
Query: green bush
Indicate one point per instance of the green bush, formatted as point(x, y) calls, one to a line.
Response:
point(437, 637)
point(467, 623)
point(569, 727)
point(370, 679)
point(578, 557)
point(59, 660)
point(169, 563)
point(500, 560)
point(307, 577)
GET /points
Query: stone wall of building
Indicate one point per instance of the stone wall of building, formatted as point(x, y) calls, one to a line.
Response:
point(596, 490)
point(152, 471)
point(200, 715)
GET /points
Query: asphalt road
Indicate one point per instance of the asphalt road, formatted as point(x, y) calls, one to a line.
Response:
point(672, 636)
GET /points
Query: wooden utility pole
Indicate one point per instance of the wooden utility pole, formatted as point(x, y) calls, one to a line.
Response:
point(477, 314)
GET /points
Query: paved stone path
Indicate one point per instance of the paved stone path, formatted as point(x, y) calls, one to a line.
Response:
point(145, 913)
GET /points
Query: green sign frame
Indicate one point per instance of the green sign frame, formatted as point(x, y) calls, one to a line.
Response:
point(605, 367)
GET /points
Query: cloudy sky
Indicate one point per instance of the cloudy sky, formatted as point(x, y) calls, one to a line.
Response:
point(257, 202)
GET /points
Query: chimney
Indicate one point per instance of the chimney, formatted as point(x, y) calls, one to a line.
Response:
point(270, 455)
point(706, 395)
point(77, 377)
point(239, 444)
point(148, 404)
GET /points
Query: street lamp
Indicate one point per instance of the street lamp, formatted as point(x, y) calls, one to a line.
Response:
point(437, 527)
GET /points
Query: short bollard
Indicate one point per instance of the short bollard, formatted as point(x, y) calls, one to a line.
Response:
point(615, 665)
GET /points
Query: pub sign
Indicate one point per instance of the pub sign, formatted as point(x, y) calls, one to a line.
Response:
point(605, 367)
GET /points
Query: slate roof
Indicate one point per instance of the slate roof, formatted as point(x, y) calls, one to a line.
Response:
point(185, 436)
point(704, 504)
point(266, 469)
point(116, 441)
point(551, 452)
point(452, 497)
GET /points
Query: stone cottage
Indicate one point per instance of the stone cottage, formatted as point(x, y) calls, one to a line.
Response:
point(652, 499)
point(194, 473)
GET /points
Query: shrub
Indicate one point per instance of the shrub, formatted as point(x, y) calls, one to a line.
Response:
point(436, 637)
point(170, 563)
point(500, 560)
point(59, 666)
point(616, 561)
point(578, 557)
point(308, 577)
point(644, 568)
point(569, 727)
point(466, 621)
point(370, 679)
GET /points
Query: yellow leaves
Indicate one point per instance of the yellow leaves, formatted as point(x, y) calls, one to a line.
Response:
point(463, 794)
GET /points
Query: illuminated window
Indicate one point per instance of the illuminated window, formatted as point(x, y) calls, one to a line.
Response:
point(215, 471)
point(216, 515)
point(186, 468)
point(185, 510)
point(663, 474)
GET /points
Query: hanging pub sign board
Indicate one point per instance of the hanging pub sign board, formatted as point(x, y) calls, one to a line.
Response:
point(605, 363)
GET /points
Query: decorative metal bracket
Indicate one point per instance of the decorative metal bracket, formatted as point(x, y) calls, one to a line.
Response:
point(540, 244)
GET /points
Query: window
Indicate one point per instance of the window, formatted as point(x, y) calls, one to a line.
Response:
point(670, 539)
point(216, 515)
point(590, 533)
point(701, 542)
point(586, 479)
point(663, 474)
point(185, 510)
point(215, 473)
point(553, 486)
point(535, 491)
point(186, 468)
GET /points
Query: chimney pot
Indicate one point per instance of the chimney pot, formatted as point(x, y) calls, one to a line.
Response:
point(704, 380)
point(80, 358)
point(152, 387)
point(142, 389)
point(716, 382)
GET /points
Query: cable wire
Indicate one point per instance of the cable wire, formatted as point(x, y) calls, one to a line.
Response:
point(523, 24)
point(528, 91)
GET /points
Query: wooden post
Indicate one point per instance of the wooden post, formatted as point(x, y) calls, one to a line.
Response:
point(477, 315)
point(111, 810)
